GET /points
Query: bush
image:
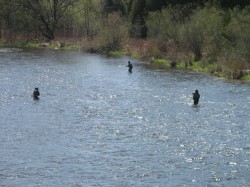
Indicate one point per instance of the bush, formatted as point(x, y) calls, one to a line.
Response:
point(164, 25)
point(113, 33)
point(237, 40)
point(202, 35)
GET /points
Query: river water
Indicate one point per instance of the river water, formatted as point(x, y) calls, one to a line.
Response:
point(98, 125)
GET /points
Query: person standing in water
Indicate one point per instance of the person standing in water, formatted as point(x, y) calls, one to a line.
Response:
point(130, 67)
point(36, 93)
point(196, 97)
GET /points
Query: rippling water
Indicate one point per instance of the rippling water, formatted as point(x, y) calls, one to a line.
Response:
point(98, 125)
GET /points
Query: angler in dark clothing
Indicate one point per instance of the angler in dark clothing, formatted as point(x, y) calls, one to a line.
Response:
point(36, 93)
point(196, 97)
point(130, 67)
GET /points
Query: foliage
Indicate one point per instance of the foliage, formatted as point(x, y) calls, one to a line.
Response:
point(202, 34)
point(160, 60)
point(118, 53)
point(81, 20)
point(113, 33)
point(208, 33)
point(245, 77)
point(47, 13)
point(165, 24)
point(13, 20)
point(237, 35)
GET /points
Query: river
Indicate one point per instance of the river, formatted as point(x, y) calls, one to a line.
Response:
point(96, 124)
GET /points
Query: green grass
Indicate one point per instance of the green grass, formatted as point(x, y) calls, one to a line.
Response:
point(160, 60)
point(180, 65)
point(200, 66)
point(196, 66)
point(32, 44)
point(117, 53)
point(245, 77)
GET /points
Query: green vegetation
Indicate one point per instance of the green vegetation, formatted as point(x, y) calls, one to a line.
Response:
point(210, 36)
point(28, 44)
point(245, 77)
point(160, 60)
point(117, 53)
point(214, 39)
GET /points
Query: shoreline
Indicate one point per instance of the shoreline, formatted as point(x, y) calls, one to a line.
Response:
point(135, 50)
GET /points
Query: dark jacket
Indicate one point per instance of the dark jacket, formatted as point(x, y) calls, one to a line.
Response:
point(196, 97)
point(130, 67)
point(36, 94)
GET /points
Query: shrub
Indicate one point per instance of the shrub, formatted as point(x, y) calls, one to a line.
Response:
point(237, 39)
point(203, 33)
point(113, 33)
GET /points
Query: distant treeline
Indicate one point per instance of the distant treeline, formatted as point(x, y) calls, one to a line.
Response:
point(51, 18)
point(211, 30)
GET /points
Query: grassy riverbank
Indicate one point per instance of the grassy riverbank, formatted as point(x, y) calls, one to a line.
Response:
point(145, 50)
point(149, 51)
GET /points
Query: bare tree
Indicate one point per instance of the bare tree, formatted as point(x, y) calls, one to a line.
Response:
point(47, 13)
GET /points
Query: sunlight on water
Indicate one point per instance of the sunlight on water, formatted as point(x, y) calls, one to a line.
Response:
point(98, 125)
